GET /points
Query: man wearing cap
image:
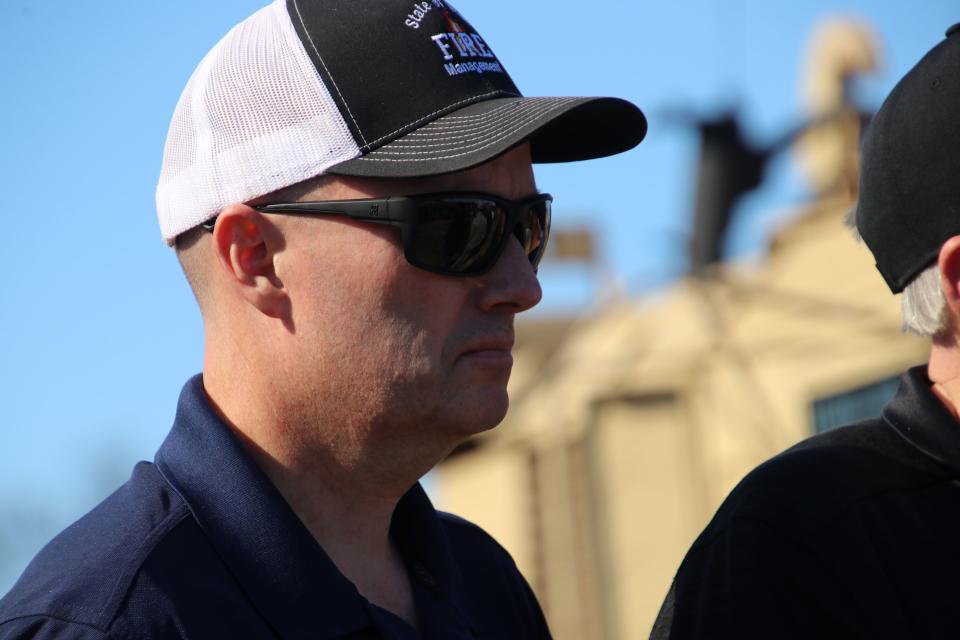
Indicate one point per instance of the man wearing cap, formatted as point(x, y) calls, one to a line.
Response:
point(854, 533)
point(349, 190)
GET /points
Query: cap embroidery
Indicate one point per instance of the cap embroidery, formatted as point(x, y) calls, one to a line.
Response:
point(415, 17)
point(463, 51)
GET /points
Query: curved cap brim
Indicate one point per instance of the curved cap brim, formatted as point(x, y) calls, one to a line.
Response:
point(559, 130)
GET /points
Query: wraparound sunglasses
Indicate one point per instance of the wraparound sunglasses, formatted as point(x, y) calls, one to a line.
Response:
point(455, 234)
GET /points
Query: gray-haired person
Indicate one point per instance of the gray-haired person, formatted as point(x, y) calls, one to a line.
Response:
point(853, 533)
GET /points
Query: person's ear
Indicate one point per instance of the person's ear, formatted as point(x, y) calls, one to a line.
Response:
point(948, 264)
point(246, 243)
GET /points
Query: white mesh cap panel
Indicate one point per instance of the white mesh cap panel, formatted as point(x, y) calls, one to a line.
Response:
point(254, 117)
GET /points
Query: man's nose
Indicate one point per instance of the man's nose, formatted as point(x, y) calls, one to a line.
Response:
point(512, 284)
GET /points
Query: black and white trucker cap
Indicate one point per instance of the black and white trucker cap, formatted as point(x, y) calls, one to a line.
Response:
point(380, 88)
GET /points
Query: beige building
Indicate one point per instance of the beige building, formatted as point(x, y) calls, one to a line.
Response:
point(628, 427)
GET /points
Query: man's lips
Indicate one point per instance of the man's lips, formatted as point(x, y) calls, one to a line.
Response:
point(494, 348)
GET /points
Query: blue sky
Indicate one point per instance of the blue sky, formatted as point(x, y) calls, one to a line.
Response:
point(99, 328)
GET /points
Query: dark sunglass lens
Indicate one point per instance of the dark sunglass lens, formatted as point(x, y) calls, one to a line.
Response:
point(533, 231)
point(457, 235)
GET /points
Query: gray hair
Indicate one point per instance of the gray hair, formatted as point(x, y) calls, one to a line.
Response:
point(922, 305)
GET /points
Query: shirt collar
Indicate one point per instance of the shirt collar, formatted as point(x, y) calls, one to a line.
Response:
point(285, 573)
point(923, 421)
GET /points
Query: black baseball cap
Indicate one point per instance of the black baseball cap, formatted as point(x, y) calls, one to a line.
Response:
point(909, 202)
point(380, 88)
point(428, 95)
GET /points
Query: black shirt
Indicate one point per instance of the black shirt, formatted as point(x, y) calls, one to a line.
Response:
point(851, 534)
point(200, 544)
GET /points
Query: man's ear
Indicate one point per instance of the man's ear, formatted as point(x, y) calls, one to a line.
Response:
point(246, 243)
point(948, 263)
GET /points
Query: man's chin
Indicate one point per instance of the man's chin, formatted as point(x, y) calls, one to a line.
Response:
point(484, 411)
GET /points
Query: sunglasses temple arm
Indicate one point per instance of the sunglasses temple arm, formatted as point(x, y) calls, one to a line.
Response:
point(368, 210)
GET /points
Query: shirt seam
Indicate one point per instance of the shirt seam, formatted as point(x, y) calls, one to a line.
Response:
point(124, 583)
point(49, 616)
point(899, 427)
point(104, 616)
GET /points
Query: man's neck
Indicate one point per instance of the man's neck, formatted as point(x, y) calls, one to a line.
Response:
point(341, 485)
point(944, 372)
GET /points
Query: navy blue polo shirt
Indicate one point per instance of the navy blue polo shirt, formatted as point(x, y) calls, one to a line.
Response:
point(200, 544)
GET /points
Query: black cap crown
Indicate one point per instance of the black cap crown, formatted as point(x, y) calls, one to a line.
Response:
point(910, 175)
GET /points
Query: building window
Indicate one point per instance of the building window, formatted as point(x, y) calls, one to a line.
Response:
point(853, 405)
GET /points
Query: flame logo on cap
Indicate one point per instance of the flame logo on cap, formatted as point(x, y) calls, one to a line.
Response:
point(453, 25)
